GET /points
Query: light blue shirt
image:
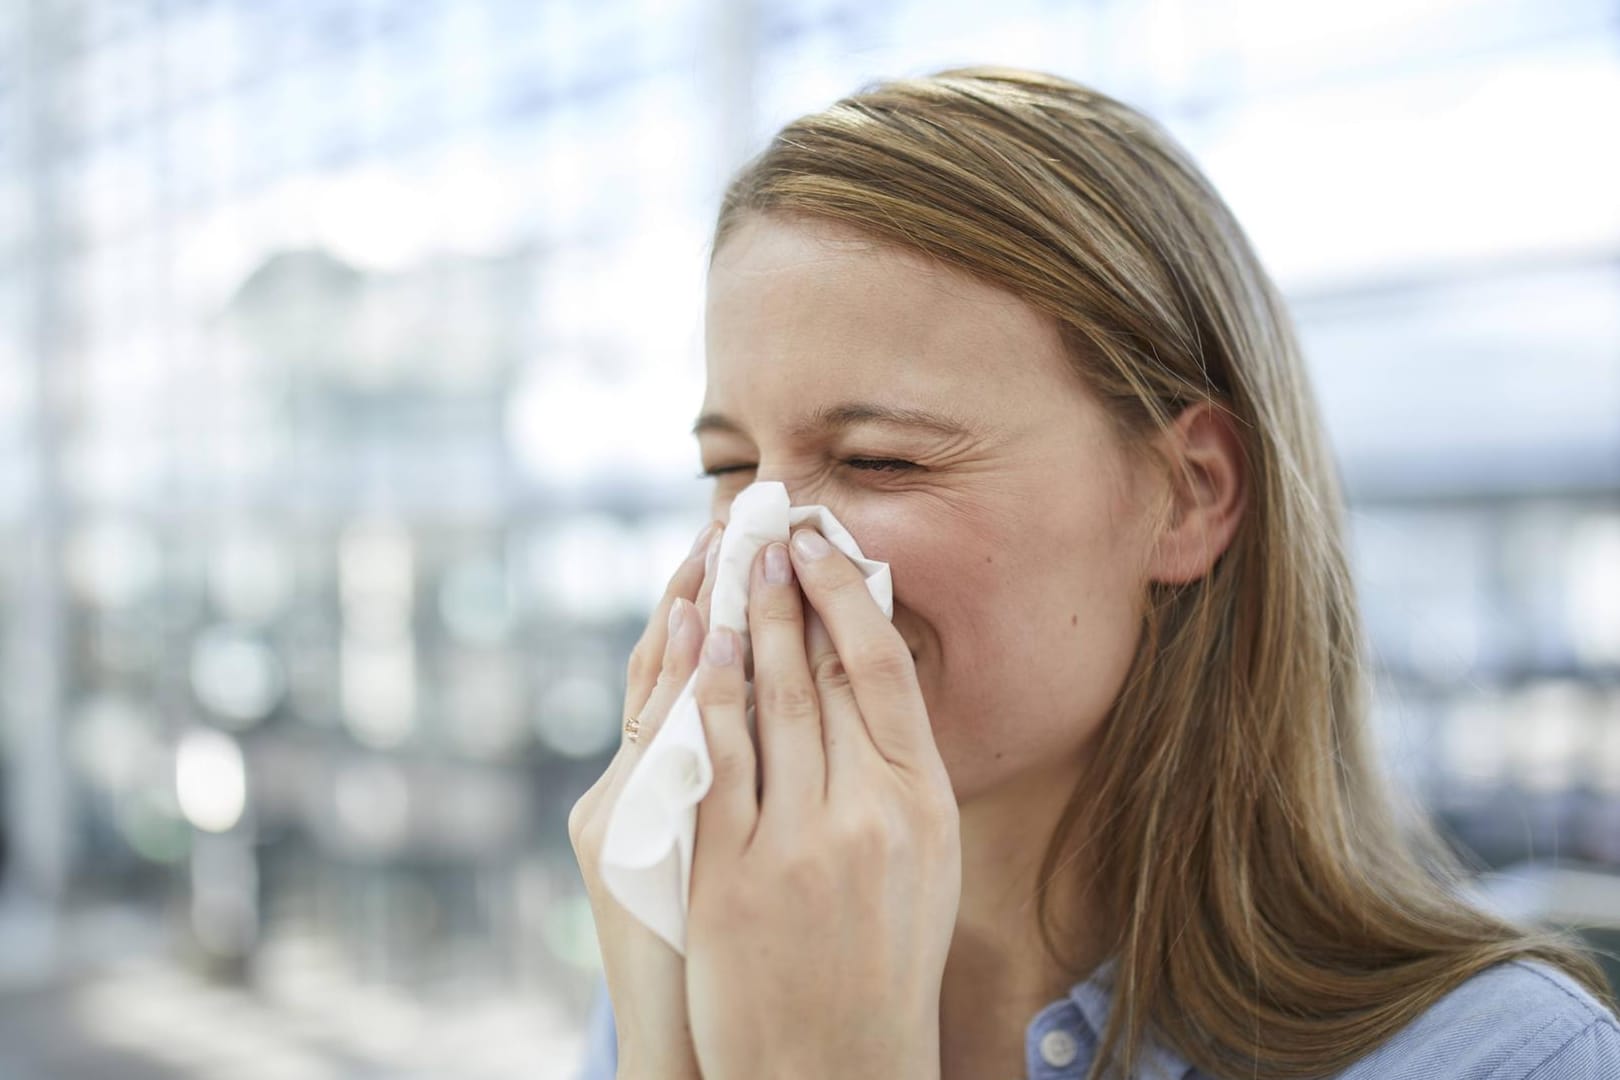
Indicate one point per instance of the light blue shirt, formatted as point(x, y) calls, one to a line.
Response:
point(1519, 1020)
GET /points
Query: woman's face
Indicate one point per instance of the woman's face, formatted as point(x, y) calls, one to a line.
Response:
point(1018, 546)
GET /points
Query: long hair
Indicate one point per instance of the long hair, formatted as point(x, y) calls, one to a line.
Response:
point(1277, 911)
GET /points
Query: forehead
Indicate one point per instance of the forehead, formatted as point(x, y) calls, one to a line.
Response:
point(801, 311)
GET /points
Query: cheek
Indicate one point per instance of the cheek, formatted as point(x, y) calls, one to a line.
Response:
point(936, 565)
point(1029, 634)
point(1039, 599)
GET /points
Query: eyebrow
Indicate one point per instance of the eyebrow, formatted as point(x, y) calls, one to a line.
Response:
point(848, 414)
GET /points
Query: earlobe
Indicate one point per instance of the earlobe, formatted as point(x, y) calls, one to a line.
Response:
point(1208, 491)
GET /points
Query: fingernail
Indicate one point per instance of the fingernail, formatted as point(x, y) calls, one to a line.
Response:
point(702, 538)
point(778, 570)
point(810, 544)
point(677, 615)
point(713, 556)
point(718, 649)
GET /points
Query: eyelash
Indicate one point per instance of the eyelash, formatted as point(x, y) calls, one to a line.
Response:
point(854, 463)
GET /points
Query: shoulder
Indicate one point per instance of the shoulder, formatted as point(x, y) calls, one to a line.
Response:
point(1518, 1020)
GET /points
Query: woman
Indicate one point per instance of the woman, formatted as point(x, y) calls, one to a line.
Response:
point(1101, 793)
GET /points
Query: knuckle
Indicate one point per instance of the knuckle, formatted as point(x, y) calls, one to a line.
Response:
point(829, 670)
point(867, 836)
point(790, 698)
point(776, 605)
point(669, 680)
point(580, 819)
point(714, 687)
point(576, 822)
point(846, 585)
point(670, 663)
point(731, 764)
point(807, 874)
point(886, 662)
point(639, 667)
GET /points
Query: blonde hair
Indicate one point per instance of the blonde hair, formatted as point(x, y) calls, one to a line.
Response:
point(1276, 913)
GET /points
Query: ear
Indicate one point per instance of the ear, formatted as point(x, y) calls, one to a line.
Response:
point(1207, 496)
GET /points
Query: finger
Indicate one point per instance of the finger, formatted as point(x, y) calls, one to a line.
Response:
point(646, 659)
point(729, 811)
point(683, 640)
point(843, 731)
point(880, 669)
point(793, 762)
point(711, 559)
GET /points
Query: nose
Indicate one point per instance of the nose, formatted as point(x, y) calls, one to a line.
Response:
point(800, 492)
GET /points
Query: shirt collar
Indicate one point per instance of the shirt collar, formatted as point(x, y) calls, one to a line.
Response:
point(1093, 996)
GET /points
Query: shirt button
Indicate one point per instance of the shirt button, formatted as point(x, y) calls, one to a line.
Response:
point(1059, 1048)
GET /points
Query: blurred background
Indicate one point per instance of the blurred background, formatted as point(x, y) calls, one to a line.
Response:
point(347, 354)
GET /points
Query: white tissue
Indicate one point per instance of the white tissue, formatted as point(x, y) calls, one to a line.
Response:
point(647, 854)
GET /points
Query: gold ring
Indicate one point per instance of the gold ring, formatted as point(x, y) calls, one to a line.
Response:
point(632, 727)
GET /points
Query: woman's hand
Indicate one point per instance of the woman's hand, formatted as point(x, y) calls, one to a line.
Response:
point(646, 978)
point(822, 908)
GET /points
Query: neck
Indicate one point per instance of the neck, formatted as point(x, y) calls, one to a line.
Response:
point(998, 973)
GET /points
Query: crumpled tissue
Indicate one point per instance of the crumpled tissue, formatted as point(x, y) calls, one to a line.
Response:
point(647, 852)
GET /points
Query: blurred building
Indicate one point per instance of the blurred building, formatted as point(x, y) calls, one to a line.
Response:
point(347, 351)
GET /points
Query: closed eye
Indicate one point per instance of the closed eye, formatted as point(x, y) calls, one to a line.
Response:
point(864, 464)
